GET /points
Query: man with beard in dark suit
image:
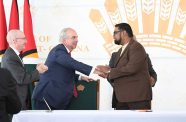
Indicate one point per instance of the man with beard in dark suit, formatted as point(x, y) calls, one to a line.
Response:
point(131, 87)
point(153, 75)
point(152, 72)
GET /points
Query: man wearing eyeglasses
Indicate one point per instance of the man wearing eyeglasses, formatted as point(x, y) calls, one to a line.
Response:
point(131, 87)
point(56, 87)
point(13, 62)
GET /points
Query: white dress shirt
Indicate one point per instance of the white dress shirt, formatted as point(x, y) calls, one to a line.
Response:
point(123, 48)
point(17, 52)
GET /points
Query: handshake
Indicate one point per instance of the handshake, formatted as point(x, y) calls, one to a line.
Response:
point(102, 70)
point(41, 68)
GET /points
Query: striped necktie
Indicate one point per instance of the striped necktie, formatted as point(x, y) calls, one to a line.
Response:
point(20, 57)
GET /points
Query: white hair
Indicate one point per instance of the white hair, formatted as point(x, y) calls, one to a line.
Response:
point(63, 34)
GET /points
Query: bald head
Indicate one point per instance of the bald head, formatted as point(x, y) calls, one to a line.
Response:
point(16, 39)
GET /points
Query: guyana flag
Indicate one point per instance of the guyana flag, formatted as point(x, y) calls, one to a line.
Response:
point(30, 49)
point(14, 16)
point(3, 29)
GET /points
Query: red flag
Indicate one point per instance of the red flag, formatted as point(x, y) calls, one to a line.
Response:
point(3, 29)
point(14, 16)
point(30, 49)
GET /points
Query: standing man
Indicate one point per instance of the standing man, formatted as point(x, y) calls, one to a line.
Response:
point(9, 100)
point(56, 87)
point(153, 75)
point(131, 87)
point(12, 62)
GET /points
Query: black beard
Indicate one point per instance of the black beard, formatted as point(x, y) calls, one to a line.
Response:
point(118, 42)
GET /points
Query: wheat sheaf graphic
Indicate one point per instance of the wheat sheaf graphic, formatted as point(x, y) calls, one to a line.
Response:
point(156, 23)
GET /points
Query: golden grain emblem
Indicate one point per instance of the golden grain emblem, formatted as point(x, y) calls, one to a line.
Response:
point(155, 23)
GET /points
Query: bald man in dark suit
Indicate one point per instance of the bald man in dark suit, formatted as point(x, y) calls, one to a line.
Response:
point(12, 61)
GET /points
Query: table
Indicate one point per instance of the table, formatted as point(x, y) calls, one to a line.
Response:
point(99, 116)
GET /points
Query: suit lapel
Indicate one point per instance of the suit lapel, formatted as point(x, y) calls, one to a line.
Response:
point(13, 54)
point(124, 52)
point(117, 57)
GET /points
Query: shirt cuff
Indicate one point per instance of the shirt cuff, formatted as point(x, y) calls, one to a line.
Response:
point(92, 71)
point(79, 78)
point(95, 77)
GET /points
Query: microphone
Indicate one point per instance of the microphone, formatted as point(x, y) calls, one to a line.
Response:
point(47, 104)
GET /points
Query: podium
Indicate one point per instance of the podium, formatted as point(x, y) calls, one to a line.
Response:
point(88, 99)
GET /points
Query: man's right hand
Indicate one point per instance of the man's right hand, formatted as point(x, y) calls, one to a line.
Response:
point(152, 81)
point(103, 68)
point(101, 73)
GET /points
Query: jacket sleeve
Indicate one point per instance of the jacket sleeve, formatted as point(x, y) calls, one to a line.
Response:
point(136, 59)
point(152, 72)
point(19, 72)
point(64, 59)
point(13, 104)
point(111, 65)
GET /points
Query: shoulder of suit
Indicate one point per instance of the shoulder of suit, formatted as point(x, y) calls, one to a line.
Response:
point(58, 49)
point(9, 53)
point(61, 47)
point(136, 43)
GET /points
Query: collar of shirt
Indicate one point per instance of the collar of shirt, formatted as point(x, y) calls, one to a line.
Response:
point(15, 50)
point(123, 48)
point(67, 49)
point(17, 53)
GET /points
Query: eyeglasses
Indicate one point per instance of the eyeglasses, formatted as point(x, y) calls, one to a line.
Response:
point(116, 32)
point(21, 38)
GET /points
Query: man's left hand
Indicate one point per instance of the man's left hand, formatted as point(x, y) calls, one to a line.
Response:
point(87, 79)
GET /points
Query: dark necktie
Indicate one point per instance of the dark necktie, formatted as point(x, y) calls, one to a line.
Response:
point(20, 57)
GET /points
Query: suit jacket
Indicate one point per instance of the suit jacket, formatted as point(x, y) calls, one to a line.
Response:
point(12, 62)
point(130, 74)
point(56, 84)
point(9, 100)
point(152, 72)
